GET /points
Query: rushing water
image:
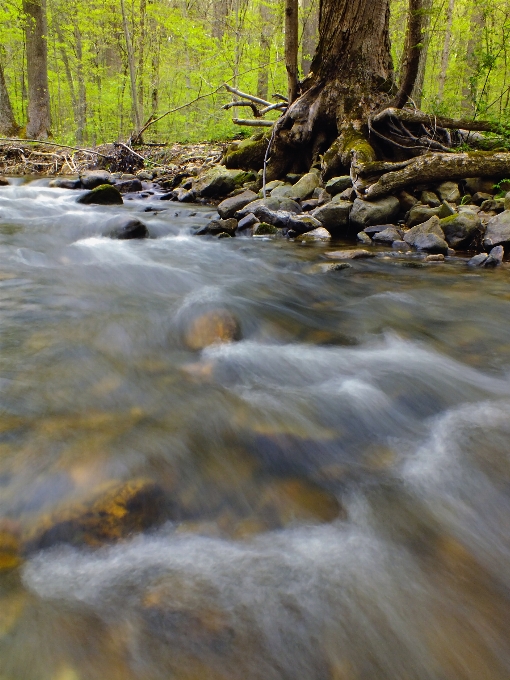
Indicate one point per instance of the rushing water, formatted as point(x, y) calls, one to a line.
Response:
point(339, 476)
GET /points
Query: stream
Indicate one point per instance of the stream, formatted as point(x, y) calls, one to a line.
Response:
point(338, 476)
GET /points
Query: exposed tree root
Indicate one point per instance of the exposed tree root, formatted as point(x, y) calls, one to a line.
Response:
point(434, 168)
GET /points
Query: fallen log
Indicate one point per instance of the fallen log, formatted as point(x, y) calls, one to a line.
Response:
point(409, 116)
point(439, 167)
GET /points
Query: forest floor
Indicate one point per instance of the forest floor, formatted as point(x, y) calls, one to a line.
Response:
point(48, 159)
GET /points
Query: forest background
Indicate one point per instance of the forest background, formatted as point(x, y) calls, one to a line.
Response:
point(114, 64)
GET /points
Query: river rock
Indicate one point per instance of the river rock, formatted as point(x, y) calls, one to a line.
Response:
point(402, 246)
point(285, 204)
point(129, 186)
point(104, 194)
point(427, 236)
point(319, 234)
point(407, 201)
point(449, 191)
point(420, 214)
point(4, 182)
point(347, 195)
point(478, 260)
point(388, 235)
point(114, 512)
point(507, 201)
point(10, 547)
point(302, 223)
point(230, 206)
point(496, 205)
point(446, 210)
point(498, 231)
point(364, 238)
point(327, 267)
point(338, 184)
point(310, 204)
point(219, 181)
point(461, 229)
point(247, 222)
point(322, 196)
point(435, 258)
point(481, 184)
point(228, 226)
point(124, 228)
point(334, 216)
point(211, 327)
point(430, 198)
point(495, 257)
point(90, 179)
point(145, 175)
point(275, 183)
point(303, 188)
point(365, 213)
point(65, 183)
point(265, 229)
point(480, 197)
point(184, 195)
point(356, 254)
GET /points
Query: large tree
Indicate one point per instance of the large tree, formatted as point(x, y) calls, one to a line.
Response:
point(351, 114)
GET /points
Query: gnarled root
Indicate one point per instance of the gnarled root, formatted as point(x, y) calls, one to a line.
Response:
point(434, 167)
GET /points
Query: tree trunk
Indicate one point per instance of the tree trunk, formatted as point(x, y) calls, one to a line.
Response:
point(81, 108)
point(446, 49)
point(38, 126)
point(417, 93)
point(8, 125)
point(132, 69)
point(309, 34)
point(351, 79)
point(412, 51)
point(291, 47)
point(475, 38)
point(266, 31)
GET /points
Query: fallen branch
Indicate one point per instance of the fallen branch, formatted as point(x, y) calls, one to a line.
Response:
point(133, 153)
point(439, 168)
point(45, 143)
point(281, 106)
point(409, 116)
point(253, 123)
point(244, 95)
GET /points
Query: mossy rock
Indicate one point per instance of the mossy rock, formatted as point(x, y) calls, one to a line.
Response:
point(104, 194)
point(248, 154)
point(10, 550)
point(265, 229)
point(114, 512)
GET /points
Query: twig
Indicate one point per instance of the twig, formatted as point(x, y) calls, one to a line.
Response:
point(282, 106)
point(276, 95)
point(266, 160)
point(62, 146)
point(253, 123)
point(124, 146)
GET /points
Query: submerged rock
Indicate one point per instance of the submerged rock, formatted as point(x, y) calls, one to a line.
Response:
point(4, 182)
point(124, 228)
point(349, 254)
point(211, 327)
point(495, 257)
point(114, 512)
point(366, 213)
point(10, 546)
point(104, 194)
point(478, 260)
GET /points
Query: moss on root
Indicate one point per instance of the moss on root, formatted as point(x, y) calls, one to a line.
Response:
point(248, 154)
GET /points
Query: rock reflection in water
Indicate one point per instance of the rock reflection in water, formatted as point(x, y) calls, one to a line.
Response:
point(333, 479)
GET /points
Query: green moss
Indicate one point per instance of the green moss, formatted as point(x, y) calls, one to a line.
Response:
point(248, 154)
point(448, 220)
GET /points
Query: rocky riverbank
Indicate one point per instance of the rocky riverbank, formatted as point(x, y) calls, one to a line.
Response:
point(471, 216)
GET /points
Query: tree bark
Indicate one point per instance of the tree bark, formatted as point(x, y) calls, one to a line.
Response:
point(351, 79)
point(8, 125)
point(475, 37)
point(440, 167)
point(412, 51)
point(38, 126)
point(266, 31)
point(132, 69)
point(291, 48)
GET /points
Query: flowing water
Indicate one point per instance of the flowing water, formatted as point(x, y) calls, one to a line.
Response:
point(338, 477)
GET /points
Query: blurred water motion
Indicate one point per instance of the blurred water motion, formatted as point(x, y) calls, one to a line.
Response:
point(325, 494)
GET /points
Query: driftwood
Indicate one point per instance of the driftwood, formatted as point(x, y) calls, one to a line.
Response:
point(433, 168)
point(252, 101)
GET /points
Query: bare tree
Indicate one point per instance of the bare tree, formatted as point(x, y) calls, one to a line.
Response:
point(291, 47)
